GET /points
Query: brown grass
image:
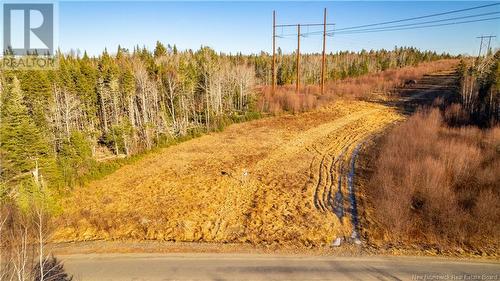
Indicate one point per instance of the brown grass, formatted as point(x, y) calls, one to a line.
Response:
point(254, 182)
point(366, 87)
point(436, 185)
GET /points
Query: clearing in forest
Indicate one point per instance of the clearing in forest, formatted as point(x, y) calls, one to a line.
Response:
point(278, 180)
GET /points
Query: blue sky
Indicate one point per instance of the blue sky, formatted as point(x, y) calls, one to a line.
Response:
point(247, 26)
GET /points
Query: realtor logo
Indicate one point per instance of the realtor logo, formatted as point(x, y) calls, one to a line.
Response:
point(28, 29)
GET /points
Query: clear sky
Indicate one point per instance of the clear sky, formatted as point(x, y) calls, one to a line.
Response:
point(247, 26)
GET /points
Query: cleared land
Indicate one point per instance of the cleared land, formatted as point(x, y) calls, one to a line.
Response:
point(255, 182)
point(275, 181)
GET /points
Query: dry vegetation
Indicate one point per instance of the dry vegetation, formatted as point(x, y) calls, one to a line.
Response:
point(254, 182)
point(437, 186)
point(24, 255)
point(259, 182)
point(367, 87)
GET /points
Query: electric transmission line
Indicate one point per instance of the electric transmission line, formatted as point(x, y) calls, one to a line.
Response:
point(332, 32)
point(376, 27)
point(388, 25)
point(419, 17)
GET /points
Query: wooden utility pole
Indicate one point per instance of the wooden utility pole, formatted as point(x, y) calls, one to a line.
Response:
point(323, 66)
point(478, 60)
point(489, 37)
point(480, 46)
point(489, 43)
point(323, 58)
point(274, 54)
point(297, 85)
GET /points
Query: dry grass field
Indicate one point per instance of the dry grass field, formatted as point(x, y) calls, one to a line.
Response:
point(267, 182)
point(280, 181)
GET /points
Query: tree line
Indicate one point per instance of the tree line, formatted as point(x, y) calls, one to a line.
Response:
point(480, 90)
point(62, 122)
point(340, 65)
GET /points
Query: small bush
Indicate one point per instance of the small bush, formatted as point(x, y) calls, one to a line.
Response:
point(53, 270)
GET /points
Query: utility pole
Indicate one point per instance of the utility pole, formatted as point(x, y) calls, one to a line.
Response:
point(489, 37)
point(323, 62)
point(274, 54)
point(489, 44)
point(323, 57)
point(297, 85)
point(488, 49)
point(480, 46)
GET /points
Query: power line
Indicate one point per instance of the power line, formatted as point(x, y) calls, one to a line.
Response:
point(420, 23)
point(419, 17)
point(324, 25)
point(489, 37)
point(332, 32)
point(393, 27)
point(307, 24)
point(358, 29)
point(399, 27)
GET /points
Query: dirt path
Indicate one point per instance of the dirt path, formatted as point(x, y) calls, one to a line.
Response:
point(280, 180)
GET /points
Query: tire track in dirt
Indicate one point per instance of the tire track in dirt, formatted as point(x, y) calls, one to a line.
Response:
point(352, 194)
point(330, 146)
point(344, 153)
point(340, 157)
point(311, 138)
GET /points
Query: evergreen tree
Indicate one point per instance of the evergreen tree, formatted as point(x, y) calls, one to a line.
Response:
point(38, 95)
point(23, 145)
point(160, 50)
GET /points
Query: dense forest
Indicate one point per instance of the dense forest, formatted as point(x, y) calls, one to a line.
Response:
point(57, 125)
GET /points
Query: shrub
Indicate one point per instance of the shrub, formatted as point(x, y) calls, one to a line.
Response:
point(438, 185)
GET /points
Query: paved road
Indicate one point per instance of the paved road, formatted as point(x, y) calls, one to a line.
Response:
point(270, 267)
